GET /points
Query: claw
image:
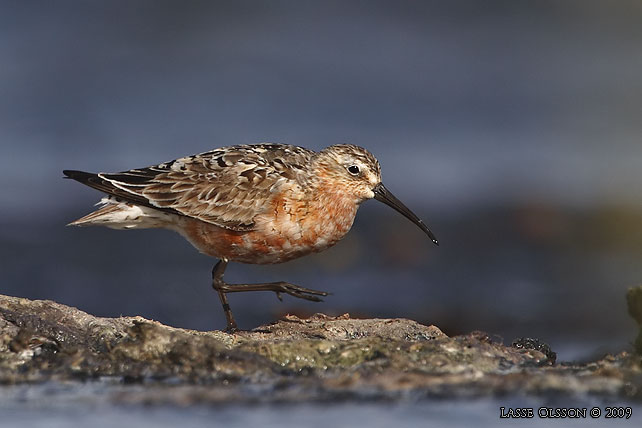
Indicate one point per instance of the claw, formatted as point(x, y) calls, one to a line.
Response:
point(304, 293)
point(315, 292)
point(230, 329)
point(278, 295)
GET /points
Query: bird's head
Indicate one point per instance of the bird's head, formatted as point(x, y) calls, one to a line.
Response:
point(354, 171)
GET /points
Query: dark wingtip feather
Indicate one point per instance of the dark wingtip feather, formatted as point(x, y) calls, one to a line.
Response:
point(80, 176)
point(98, 182)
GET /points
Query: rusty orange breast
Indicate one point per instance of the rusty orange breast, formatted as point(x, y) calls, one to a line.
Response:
point(292, 225)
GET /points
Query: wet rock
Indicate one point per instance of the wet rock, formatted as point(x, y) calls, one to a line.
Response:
point(536, 344)
point(319, 358)
point(634, 303)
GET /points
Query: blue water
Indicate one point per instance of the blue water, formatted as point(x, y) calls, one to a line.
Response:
point(83, 405)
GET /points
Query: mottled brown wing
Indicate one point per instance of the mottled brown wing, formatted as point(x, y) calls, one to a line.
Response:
point(227, 187)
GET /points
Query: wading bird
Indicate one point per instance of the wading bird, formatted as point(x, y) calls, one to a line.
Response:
point(263, 203)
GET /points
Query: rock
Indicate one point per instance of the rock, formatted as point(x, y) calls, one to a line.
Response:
point(634, 303)
point(536, 344)
point(319, 358)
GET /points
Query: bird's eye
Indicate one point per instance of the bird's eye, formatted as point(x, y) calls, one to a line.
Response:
point(354, 170)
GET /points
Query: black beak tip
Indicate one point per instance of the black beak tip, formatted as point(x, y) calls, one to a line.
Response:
point(383, 195)
point(432, 237)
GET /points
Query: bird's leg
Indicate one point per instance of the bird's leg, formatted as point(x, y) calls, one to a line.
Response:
point(218, 284)
point(278, 287)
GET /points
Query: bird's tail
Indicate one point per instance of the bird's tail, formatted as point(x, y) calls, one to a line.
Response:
point(102, 216)
point(124, 215)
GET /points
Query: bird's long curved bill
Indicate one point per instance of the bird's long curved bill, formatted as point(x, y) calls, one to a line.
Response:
point(382, 194)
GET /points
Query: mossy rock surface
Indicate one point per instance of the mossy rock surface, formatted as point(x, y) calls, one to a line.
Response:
point(319, 358)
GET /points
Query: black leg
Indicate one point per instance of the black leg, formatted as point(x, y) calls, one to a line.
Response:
point(222, 288)
point(217, 283)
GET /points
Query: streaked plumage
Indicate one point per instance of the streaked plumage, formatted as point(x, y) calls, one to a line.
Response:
point(225, 187)
point(264, 203)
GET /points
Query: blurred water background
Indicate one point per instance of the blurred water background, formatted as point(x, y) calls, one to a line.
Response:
point(513, 128)
point(63, 406)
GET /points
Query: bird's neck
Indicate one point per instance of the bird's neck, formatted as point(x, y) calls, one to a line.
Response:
point(330, 186)
point(336, 205)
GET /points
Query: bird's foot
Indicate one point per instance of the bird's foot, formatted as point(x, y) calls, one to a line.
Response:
point(279, 288)
point(297, 291)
